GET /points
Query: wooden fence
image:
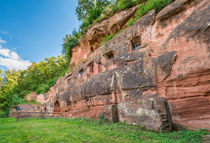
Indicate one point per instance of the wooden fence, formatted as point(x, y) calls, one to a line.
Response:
point(21, 115)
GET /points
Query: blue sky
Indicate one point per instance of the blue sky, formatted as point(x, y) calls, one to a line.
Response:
point(31, 30)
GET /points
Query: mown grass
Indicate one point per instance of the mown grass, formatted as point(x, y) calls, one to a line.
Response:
point(66, 130)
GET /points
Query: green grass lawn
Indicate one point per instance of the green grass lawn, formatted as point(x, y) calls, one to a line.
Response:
point(66, 130)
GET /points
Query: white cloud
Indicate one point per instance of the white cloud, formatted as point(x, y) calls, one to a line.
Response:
point(2, 41)
point(4, 52)
point(11, 60)
point(14, 64)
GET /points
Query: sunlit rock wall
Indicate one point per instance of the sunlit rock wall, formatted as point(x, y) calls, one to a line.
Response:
point(154, 74)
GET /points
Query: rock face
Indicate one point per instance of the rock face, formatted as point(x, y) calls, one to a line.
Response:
point(41, 98)
point(94, 36)
point(155, 73)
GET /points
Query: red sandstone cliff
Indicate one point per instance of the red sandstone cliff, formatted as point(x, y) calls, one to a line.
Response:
point(92, 39)
point(166, 80)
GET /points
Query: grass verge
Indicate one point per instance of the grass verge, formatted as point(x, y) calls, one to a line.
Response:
point(79, 130)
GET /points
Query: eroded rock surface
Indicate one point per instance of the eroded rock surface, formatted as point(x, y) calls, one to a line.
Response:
point(152, 74)
point(41, 98)
point(92, 39)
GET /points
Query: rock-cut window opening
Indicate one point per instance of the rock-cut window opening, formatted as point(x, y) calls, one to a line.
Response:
point(136, 43)
point(81, 72)
point(91, 67)
point(110, 55)
point(56, 107)
point(100, 68)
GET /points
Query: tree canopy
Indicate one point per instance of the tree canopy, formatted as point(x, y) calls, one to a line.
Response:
point(39, 77)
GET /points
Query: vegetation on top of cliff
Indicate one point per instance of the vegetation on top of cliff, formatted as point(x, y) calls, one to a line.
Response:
point(90, 12)
point(144, 8)
point(39, 77)
point(79, 130)
point(156, 5)
point(69, 42)
point(107, 38)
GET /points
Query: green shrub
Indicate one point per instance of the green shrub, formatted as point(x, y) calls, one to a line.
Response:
point(52, 82)
point(107, 38)
point(156, 5)
point(4, 114)
point(34, 102)
point(90, 12)
point(97, 15)
point(16, 99)
point(102, 118)
point(23, 93)
point(69, 42)
point(34, 87)
point(124, 4)
point(131, 22)
point(43, 88)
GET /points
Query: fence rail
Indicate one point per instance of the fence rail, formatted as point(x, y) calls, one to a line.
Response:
point(39, 115)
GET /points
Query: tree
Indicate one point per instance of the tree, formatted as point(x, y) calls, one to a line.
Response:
point(39, 77)
point(69, 42)
point(89, 10)
point(1, 79)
